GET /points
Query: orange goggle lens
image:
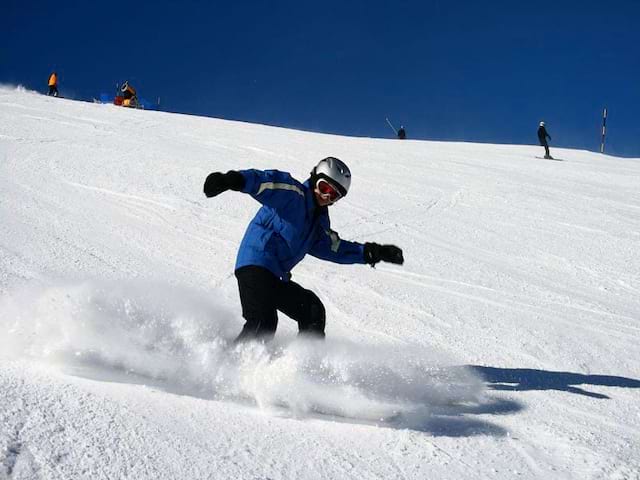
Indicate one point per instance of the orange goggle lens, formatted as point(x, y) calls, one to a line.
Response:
point(327, 190)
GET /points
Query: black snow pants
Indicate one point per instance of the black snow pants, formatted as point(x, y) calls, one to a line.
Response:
point(543, 142)
point(262, 294)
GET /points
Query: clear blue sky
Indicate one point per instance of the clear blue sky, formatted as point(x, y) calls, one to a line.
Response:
point(447, 70)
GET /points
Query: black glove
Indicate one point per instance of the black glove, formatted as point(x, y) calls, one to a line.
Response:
point(218, 182)
point(374, 253)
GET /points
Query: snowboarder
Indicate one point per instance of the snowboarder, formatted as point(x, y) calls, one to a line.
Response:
point(542, 137)
point(53, 84)
point(402, 134)
point(293, 221)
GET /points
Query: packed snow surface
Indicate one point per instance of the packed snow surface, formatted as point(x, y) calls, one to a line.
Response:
point(506, 346)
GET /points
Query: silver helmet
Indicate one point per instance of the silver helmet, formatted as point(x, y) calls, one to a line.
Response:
point(334, 171)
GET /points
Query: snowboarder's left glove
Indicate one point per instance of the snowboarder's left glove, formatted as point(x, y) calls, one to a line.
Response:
point(374, 253)
point(218, 182)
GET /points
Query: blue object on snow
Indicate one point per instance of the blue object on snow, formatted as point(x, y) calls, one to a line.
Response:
point(106, 98)
point(147, 104)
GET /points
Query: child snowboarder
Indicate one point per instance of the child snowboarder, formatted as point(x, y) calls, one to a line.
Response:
point(293, 221)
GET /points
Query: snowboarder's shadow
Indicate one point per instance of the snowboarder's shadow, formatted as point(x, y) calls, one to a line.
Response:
point(457, 421)
point(523, 379)
point(439, 419)
point(446, 420)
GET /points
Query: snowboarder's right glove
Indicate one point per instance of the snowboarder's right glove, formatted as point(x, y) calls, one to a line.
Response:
point(374, 253)
point(218, 182)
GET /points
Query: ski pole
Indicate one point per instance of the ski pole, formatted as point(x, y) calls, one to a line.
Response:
point(392, 127)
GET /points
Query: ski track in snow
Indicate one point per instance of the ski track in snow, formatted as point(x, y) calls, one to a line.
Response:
point(505, 347)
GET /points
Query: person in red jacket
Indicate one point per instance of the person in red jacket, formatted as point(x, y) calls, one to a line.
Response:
point(53, 84)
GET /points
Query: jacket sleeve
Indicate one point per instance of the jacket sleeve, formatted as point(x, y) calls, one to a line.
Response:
point(275, 189)
point(330, 247)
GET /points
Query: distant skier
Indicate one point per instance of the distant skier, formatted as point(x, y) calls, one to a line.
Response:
point(293, 221)
point(53, 84)
point(542, 137)
point(402, 134)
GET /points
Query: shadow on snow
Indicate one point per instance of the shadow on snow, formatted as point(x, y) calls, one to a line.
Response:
point(446, 420)
point(523, 379)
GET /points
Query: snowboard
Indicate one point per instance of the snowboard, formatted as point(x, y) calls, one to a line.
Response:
point(555, 159)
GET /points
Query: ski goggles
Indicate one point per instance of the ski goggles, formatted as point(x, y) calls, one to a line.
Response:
point(327, 191)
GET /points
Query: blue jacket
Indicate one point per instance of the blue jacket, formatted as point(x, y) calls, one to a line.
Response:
point(288, 226)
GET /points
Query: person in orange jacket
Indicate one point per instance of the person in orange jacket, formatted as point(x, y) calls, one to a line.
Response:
point(53, 84)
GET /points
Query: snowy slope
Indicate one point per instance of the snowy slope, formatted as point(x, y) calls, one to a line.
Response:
point(506, 346)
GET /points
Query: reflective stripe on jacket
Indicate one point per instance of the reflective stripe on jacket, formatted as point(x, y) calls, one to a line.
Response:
point(288, 226)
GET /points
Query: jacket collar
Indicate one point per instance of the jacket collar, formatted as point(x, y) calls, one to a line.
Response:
point(310, 198)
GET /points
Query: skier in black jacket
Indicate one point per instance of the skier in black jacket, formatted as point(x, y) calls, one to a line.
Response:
point(542, 137)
